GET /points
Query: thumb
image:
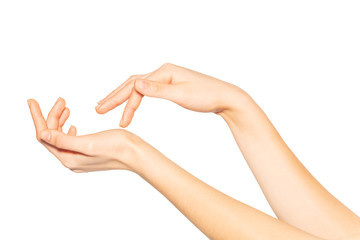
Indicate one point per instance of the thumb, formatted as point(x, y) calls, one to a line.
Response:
point(64, 141)
point(157, 89)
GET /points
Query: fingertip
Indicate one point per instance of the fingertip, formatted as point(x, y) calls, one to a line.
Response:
point(60, 99)
point(100, 109)
point(125, 120)
point(31, 101)
point(72, 131)
point(97, 108)
point(66, 111)
point(122, 124)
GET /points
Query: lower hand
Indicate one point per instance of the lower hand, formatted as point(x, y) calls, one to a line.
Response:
point(112, 149)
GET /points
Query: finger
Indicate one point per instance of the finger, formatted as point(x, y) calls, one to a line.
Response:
point(60, 140)
point(120, 87)
point(130, 108)
point(64, 116)
point(72, 131)
point(55, 113)
point(113, 92)
point(116, 100)
point(131, 78)
point(38, 119)
point(40, 125)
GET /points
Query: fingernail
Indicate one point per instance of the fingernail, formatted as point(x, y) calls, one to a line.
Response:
point(98, 107)
point(46, 136)
point(28, 101)
point(58, 100)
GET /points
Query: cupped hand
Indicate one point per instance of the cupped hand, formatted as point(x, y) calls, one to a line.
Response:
point(112, 149)
point(189, 89)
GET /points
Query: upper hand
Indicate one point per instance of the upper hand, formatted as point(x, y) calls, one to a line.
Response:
point(187, 88)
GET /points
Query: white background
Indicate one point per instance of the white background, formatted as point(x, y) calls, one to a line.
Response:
point(298, 59)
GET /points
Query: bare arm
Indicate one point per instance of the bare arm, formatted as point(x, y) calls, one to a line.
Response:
point(293, 193)
point(217, 215)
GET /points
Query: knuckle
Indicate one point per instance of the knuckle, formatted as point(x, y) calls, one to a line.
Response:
point(166, 66)
point(132, 77)
point(56, 141)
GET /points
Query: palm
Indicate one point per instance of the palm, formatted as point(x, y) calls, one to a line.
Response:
point(79, 160)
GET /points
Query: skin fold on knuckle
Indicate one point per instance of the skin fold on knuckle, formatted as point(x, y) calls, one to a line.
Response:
point(132, 77)
point(165, 72)
point(56, 141)
point(166, 66)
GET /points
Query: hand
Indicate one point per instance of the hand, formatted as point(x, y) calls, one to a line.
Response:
point(187, 88)
point(112, 149)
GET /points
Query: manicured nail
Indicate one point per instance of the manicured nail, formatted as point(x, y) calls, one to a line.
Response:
point(46, 136)
point(58, 99)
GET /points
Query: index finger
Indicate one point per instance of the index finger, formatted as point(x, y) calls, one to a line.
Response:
point(38, 119)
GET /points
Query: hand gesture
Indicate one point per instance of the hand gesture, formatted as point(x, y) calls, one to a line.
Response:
point(187, 88)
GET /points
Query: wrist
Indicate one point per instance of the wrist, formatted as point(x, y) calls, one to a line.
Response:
point(239, 109)
point(138, 153)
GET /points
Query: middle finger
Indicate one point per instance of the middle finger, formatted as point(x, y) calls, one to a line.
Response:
point(55, 113)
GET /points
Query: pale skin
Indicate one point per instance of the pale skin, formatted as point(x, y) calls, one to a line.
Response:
point(305, 210)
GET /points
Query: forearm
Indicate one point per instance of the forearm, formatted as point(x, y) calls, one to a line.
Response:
point(217, 215)
point(293, 193)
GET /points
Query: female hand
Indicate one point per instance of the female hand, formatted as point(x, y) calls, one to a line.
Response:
point(112, 149)
point(187, 88)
